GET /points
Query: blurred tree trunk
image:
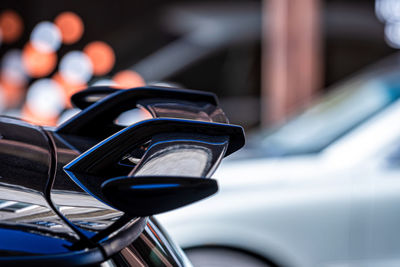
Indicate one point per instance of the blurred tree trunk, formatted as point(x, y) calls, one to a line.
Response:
point(291, 67)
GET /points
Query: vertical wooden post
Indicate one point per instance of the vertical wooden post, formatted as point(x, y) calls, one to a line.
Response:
point(291, 67)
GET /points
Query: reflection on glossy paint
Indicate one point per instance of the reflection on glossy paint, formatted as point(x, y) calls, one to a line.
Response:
point(83, 210)
point(24, 154)
point(21, 242)
point(179, 160)
point(153, 186)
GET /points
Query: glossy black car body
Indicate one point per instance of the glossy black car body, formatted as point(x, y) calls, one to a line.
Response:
point(82, 194)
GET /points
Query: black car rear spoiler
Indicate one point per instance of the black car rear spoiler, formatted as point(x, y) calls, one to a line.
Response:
point(152, 166)
point(154, 161)
point(160, 149)
point(102, 105)
point(91, 95)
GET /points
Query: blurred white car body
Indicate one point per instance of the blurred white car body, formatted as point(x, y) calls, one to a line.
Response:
point(337, 206)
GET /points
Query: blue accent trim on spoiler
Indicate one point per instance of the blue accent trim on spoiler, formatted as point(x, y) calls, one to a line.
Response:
point(153, 186)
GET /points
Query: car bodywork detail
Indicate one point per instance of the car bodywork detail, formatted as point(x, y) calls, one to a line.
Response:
point(84, 191)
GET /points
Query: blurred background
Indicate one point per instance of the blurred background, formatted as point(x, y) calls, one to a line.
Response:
point(315, 84)
point(266, 60)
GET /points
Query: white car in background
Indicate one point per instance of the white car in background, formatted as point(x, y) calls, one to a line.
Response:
point(321, 190)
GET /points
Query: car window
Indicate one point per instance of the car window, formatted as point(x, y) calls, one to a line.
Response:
point(333, 116)
point(393, 159)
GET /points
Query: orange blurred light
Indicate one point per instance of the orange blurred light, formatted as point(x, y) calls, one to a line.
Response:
point(101, 55)
point(128, 79)
point(13, 93)
point(31, 117)
point(38, 64)
point(68, 88)
point(71, 27)
point(11, 26)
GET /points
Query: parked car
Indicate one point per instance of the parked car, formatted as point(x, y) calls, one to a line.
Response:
point(321, 190)
point(84, 192)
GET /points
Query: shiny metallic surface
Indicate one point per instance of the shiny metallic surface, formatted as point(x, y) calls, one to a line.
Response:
point(182, 156)
point(85, 211)
point(25, 213)
point(85, 193)
point(30, 227)
point(155, 250)
point(206, 112)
